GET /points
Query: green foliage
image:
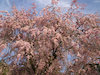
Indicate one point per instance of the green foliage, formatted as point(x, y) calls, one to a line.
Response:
point(4, 68)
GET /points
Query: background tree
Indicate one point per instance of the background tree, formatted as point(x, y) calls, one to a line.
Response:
point(34, 43)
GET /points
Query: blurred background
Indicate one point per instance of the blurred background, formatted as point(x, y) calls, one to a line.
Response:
point(92, 6)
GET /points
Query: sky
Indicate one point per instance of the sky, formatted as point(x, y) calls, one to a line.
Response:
point(92, 5)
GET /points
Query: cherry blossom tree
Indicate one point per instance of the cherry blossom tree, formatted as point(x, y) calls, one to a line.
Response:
point(39, 43)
